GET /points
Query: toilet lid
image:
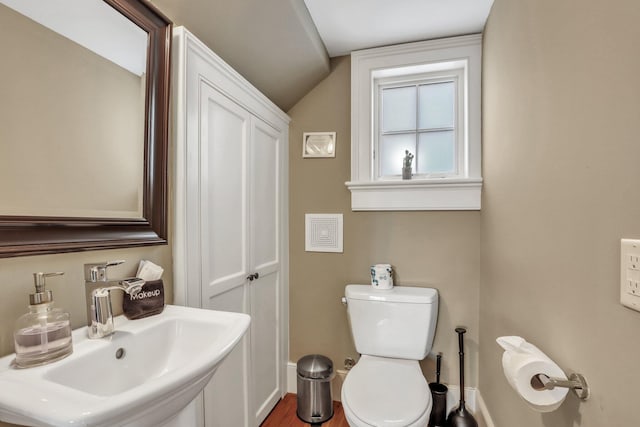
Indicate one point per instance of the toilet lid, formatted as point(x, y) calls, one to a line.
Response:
point(386, 392)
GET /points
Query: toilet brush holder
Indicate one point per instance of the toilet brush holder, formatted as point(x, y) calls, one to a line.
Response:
point(438, 417)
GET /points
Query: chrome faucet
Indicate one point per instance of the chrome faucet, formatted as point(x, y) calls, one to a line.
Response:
point(100, 313)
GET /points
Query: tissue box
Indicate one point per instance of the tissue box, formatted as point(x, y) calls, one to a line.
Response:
point(147, 302)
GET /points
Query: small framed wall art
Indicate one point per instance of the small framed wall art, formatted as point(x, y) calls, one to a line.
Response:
point(319, 144)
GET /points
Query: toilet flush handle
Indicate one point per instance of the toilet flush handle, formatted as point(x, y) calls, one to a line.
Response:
point(344, 301)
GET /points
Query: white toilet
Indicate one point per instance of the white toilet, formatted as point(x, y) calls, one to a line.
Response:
point(393, 330)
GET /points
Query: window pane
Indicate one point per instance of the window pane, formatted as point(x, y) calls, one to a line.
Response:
point(436, 105)
point(399, 109)
point(392, 148)
point(436, 152)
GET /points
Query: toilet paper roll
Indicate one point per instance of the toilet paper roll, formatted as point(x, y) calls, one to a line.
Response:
point(522, 361)
point(382, 276)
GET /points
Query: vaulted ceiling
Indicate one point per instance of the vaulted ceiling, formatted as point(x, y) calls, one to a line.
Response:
point(272, 43)
point(277, 46)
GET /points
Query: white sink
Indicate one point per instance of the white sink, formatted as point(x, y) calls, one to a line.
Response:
point(166, 360)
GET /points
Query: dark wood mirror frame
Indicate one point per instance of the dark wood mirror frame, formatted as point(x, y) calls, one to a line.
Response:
point(34, 235)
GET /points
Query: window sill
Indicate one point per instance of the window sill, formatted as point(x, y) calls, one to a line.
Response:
point(416, 195)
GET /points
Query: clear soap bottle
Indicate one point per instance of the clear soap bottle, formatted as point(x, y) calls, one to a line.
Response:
point(43, 335)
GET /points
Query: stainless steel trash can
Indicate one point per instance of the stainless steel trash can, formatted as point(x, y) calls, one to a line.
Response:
point(315, 373)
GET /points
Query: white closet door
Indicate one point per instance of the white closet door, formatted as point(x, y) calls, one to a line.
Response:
point(224, 135)
point(265, 298)
point(231, 224)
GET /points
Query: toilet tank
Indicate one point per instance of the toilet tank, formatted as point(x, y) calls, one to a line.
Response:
point(399, 322)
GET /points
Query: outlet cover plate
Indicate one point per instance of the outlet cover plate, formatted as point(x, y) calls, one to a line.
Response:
point(630, 273)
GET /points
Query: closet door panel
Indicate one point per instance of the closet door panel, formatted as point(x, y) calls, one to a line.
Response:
point(265, 291)
point(225, 397)
point(225, 131)
point(265, 204)
point(265, 345)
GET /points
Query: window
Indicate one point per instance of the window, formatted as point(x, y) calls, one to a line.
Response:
point(423, 98)
point(419, 116)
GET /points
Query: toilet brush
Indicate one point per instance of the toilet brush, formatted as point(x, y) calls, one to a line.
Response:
point(461, 417)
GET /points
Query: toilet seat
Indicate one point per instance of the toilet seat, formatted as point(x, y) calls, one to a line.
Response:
point(385, 392)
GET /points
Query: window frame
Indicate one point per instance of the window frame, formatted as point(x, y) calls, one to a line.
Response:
point(455, 76)
point(460, 192)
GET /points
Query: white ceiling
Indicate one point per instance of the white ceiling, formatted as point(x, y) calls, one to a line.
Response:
point(278, 45)
point(348, 25)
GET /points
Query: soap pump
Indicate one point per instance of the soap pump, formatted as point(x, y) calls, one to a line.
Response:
point(43, 335)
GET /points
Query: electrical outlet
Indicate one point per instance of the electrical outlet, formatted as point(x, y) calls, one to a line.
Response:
point(630, 273)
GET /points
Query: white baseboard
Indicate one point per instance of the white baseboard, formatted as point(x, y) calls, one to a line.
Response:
point(336, 384)
point(470, 398)
point(485, 411)
point(292, 373)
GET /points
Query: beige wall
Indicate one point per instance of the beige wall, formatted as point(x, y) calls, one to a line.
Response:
point(561, 153)
point(16, 282)
point(437, 249)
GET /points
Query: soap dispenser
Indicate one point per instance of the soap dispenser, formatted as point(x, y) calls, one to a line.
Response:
point(43, 335)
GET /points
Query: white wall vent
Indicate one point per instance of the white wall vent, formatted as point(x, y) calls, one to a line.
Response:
point(323, 232)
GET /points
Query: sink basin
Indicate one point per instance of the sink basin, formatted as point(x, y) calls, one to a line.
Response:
point(144, 374)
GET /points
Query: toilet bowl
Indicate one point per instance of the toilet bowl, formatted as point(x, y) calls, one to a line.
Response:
point(384, 392)
point(392, 330)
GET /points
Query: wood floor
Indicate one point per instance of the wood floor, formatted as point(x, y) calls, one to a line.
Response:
point(284, 415)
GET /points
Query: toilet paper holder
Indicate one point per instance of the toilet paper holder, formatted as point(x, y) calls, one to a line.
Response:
point(576, 382)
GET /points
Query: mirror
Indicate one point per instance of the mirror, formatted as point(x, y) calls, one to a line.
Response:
point(83, 125)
